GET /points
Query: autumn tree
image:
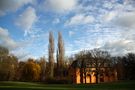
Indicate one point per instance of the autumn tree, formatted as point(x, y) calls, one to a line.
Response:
point(42, 63)
point(3, 51)
point(31, 71)
point(8, 64)
point(51, 53)
point(60, 55)
point(19, 72)
point(13, 63)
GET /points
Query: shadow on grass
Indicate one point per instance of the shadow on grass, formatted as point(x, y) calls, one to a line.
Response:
point(124, 85)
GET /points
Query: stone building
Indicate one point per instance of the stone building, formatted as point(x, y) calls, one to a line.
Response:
point(106, 74)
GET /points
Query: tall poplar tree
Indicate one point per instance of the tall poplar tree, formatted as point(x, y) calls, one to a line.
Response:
point(60, 54)
point(51, 53)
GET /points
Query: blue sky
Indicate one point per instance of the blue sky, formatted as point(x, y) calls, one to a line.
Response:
point(85, 24)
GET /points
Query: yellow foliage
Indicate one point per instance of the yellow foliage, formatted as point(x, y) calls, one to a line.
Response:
point(32, 71)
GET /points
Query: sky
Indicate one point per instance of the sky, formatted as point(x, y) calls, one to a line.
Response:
point(84, 24)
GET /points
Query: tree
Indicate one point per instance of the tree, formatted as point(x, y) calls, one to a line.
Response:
point(13, 63)
point(120, 67)
point(83, 58)
point(129, 66)
point(100, 60)
point(60, 55)
point(89, 59)
point(19, 72)
point(3, 51)
point(126, 66)
point(42, 64)
point(51, 57)
point(31, 71)
point(8, 64)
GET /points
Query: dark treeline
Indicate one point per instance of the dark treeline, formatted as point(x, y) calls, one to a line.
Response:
point(126, 66)
point(98, 59)
point(52, 72)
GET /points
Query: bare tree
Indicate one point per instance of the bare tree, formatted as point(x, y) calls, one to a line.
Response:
point(101, 59)
point(51, 53)
point(82, 58)
point(88, 59)
point(128, 63)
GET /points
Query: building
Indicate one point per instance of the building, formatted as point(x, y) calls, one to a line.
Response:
point(88, 75)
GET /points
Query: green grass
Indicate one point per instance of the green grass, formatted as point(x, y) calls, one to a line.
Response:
point(125, 85)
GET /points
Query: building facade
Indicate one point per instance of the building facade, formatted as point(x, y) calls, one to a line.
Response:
point(88, 74)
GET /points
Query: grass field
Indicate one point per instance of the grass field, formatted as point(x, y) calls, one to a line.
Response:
point(125, 85)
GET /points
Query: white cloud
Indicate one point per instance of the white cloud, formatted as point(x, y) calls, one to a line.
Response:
point(80, 19)
point(60, 6)
point(6, 40)
point(70, 49)
point(125, 20)
point(71, 33)
point(117, 18)
point(121, 18)
point(16, 48)
point(109, 16)
point(120, 47)
point(27, 19)
point(12, 5)
point(122, 21)
point(21, 54)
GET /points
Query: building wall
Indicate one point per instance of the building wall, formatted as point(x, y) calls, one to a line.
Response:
point(90, 78)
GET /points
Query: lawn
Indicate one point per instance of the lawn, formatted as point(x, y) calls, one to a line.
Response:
point(125, 85)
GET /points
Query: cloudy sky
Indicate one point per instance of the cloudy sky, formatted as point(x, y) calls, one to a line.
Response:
point(85, 24)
